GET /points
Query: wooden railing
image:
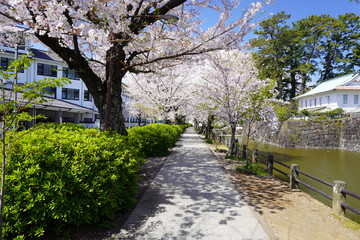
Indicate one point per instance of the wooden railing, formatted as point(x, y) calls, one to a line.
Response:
point(339, 192)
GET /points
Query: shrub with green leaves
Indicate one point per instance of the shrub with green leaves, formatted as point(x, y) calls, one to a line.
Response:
point(155, 139)
point(64, 174)
point(305, 112)
point(251, 169)
point(336, 112)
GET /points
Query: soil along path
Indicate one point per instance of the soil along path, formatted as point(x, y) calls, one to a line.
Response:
point(191, 198)
point(292, 214)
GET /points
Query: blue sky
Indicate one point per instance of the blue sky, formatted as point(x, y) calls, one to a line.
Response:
point(298, 9)
point(303, 8)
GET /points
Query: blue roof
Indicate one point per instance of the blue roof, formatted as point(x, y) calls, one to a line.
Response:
point(330, 84)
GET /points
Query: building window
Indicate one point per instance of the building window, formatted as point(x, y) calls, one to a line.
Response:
point(345, 99)
point(5, 63)
point(52, 91)
point(46, 70)
point(320, 101)
point(88, 120)
point(315, 102)
point(310, 103)
point(328, 99)
point(68, 119)
point(70, 93)
point(70, 73)
point(305, 103)
point(301, 104)
point(356, 99)
point(87, 96)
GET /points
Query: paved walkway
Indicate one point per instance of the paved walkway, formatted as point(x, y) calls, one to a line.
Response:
point(191, 198)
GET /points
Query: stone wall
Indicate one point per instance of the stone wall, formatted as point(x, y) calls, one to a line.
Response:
point(350, 137)
point(343, 134)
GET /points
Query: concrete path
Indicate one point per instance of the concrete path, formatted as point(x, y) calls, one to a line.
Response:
point(191, 198)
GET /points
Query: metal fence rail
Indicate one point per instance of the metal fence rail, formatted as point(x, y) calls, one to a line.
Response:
point(347, 192)
point(315, 178)
point(284, 173)
point(282, 164)
point(344, 205)
point(338, 198)
point(272, 161)
point(314, 189)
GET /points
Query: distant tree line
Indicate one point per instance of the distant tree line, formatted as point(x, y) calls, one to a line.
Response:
point(319, 45)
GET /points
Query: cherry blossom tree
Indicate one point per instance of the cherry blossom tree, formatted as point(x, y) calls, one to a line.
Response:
point(137, 109)
point(104, 40)
point(234, 92)
point(165, 94)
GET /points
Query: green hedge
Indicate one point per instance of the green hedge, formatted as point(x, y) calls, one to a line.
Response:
point(64, 174)
point(155, 139)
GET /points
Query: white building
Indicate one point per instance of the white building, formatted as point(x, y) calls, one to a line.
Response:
point(71, 103)
point(340, 92)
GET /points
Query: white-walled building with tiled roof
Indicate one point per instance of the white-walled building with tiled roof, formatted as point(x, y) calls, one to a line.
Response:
point(340, 92)
point(71, 103)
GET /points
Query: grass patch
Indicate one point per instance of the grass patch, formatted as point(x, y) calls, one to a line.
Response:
point(209, 141)
point(347, 222)
point(251, 169)
point(235, 158)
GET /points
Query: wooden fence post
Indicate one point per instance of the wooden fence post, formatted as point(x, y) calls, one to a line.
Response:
point(255, 156)
point(244, 154)
point(338, 198)
point(270, 164)
point(294, 174)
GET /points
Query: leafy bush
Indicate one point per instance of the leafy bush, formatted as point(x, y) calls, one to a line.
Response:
point(209, 141)
point(335, 112)
point(64, 174)
point(305, 112)
point(155, 139)
point(251, 168)
point(235, 158)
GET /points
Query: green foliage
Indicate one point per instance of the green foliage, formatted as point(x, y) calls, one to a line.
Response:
point(209, 141)
point(28, 94)
point(321, 118)
point(316, 45)
point(305, 112)
point(235, 158)
point(155, 139)
point(251, 168)
point(335, 112)
point(65, 174)
point(13, 108)
point(284, 112)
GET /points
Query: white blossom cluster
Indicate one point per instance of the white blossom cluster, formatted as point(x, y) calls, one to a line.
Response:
point(162, 94)
point(87, 25)
point(232, 91)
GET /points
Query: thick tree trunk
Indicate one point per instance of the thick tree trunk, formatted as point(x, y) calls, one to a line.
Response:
point(232, 145)
point(139, 119)
point(209, 127)
point(116, 119)
point(96, 86)
point(196, 125)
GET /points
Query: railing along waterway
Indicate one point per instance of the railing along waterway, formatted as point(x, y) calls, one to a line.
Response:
point(294, 174)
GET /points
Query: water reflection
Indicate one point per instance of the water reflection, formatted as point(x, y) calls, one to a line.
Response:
point(327, 164)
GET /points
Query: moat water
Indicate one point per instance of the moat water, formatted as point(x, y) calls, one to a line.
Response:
point(326, 164)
